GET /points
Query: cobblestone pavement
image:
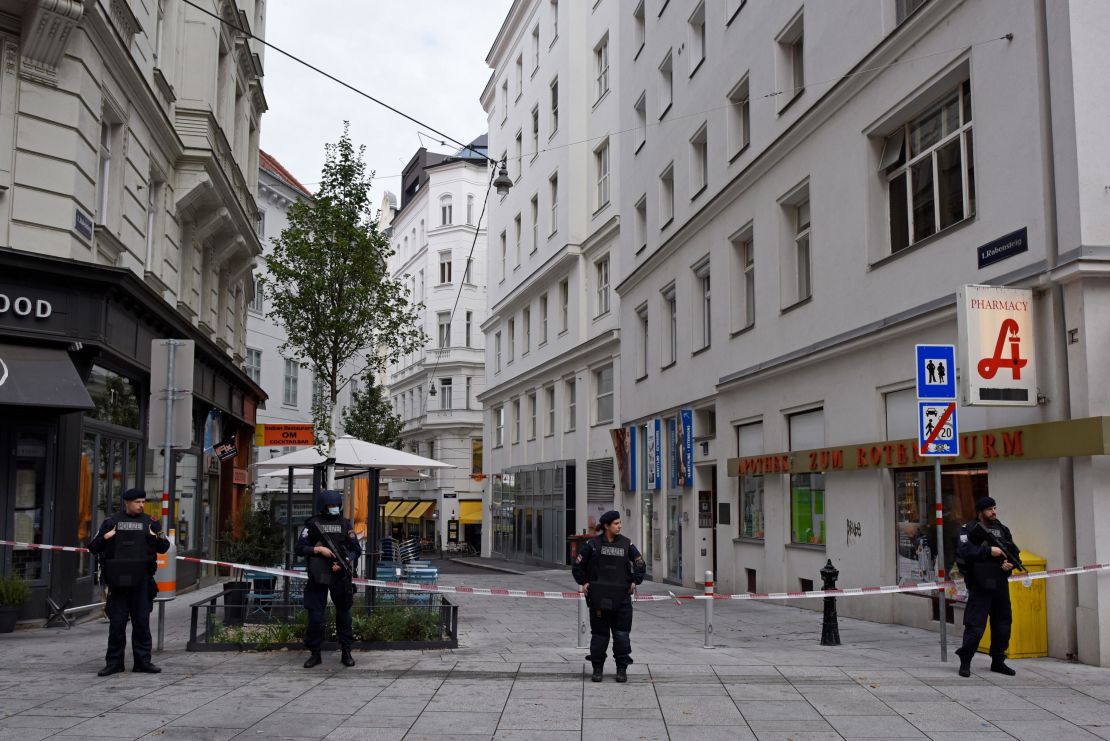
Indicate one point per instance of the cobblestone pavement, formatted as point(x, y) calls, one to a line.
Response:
point(518, 675)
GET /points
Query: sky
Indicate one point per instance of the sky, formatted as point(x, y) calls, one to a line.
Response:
point(425, 57)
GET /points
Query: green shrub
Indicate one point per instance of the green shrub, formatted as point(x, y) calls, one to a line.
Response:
point(385, 624)
point(13, 590)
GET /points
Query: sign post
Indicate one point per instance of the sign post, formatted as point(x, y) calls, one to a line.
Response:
point(937, 436)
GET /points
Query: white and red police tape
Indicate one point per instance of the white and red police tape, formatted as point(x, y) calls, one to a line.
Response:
point(929, 586)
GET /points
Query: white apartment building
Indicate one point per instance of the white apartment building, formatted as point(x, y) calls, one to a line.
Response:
point(128, 160)
point(808, 185)
point(439, 244)
point(552, 334)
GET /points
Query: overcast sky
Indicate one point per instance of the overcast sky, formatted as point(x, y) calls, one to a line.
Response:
point(425, 57)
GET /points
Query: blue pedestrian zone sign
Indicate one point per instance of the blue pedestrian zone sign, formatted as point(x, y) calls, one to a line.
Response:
point(937, 432)
point(936, 371)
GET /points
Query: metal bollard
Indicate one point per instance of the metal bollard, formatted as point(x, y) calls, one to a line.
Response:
point(581, 629)
point(830, 630)
point(708, 610)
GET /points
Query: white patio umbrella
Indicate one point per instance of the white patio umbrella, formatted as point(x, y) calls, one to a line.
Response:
point(354, 454)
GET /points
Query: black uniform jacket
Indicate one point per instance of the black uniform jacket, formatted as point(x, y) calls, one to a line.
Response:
point(982, 570)
point(106, 549)
point(347, 541)
point(581, 570)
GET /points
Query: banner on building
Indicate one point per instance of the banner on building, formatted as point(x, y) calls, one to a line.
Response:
point(654, 461)
point(624, 450)
point(672, 442)
point(686, 447)
point(998, 352)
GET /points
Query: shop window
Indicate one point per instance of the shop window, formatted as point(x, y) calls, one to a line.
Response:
point(750, 442)
point(915, 523)
point(29, 503)
point(115, 398)
point(807, 490)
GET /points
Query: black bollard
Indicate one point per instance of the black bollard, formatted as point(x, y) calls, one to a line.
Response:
point(830, 630)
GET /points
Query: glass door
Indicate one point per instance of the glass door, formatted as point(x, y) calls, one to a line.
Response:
point(674, 538)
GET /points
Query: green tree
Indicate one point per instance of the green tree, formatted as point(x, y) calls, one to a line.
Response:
point(370, 417)
point(256, 537)
point(330, 289)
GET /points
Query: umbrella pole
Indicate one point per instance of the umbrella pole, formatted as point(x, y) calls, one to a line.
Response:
point(372, 540)
point(289, 530)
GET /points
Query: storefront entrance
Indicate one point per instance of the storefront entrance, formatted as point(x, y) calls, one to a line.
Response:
point(674, 539)
point(27, 474)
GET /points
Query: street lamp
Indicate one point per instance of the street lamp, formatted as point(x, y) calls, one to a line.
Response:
point(502, 182)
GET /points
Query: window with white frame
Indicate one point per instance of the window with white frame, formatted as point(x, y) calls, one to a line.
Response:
point(601, 168)
point(445, 401)
point(498, 426)
point(554, 107)
point(797, 265)
point(289, 383)
point(109, 133)
point(518, 158)
point(666, 196)
point(532, 403)
point(318, 390)
point(443, 322)
point(466, 400)
point(497, 352)
point(469, 327)
point(743, 250)
point(928, 164)
point(666, 84)
point(519, 76)
point(467, 276)
point(535, 49)
point(423, 234)
point(553, 191)
point(601, 67)
point(445, 211)
point(640, 108)
point(153, 202)
point(791, 58)
point(444, 267)
point(549, 398)
point(258, 302)
point(903, 9)
point(516, 421)
point(516, 238)
point(470, 210)
point(699, 160)
point(739, 118)
point(564, 304)
point(543, 319)
point(526, 326)
point(645, 340)
point(553, 15)
point(670, 301)
point(504, 102)
point(601, 273)
point(253, 365)
point(535, 213)
point(696, 44)
point(535, 132)
point(639, 29)
point(701, 276)
point(603, 397)
point(510, 339)
point(504, 254)
point(639, 232)
point(572, 404)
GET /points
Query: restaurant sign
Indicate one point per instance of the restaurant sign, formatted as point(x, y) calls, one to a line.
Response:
point(1080, 437)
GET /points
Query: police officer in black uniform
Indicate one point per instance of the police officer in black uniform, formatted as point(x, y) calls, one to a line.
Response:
point(128, 543)
point(326, 574)
point(985, 571)
point(608, 568)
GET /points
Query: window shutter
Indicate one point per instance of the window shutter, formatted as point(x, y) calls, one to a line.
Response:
point(599, 479)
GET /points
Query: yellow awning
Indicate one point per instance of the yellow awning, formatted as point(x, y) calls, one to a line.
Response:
point(391, 507)
point(470, 512)
point(418, 511)
point(403, 510)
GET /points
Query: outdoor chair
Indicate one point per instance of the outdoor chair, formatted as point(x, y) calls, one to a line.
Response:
point(263, 594)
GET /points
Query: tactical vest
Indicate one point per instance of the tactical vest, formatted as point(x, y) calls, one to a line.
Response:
point(988, 573)
point(319, 567)
point(127, 564)
point(609, 577)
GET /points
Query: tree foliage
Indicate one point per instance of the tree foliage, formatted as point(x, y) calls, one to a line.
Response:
point(329, 285)
point(370, 417)
point(260, 539)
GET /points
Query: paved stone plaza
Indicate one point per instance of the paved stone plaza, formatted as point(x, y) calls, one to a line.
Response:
point(518, 675)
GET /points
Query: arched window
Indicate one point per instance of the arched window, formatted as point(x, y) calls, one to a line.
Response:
point(470, 209)
point(422, 240)
point(445, 211)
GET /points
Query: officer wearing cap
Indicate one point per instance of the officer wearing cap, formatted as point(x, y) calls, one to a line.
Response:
point(985, 571)
point(608, 568)
point(128, 543)
point(321, 537)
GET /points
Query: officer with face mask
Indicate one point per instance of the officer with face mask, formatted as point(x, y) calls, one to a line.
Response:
point(608, 568)
point(128, 543)
point(321, 537)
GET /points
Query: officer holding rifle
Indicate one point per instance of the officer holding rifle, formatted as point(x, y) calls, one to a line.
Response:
point(329, 543)
point(986, 554)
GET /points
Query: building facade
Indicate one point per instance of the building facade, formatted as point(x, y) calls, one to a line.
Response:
point(128, 140)
point(553, 359)
point(816, 182)
point(438, 237)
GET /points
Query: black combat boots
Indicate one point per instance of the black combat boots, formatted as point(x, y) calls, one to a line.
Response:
point(596, 676)
point(622, 674)
point(999, 666)
point(313, 660)
point(346, 659)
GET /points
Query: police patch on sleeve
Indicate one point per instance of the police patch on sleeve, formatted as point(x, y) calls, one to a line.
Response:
point(963, 538)
point(304, 533)
point(578, 559)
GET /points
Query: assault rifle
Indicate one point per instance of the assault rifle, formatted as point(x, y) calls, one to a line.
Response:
point(979, 534)
point(342, 559)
